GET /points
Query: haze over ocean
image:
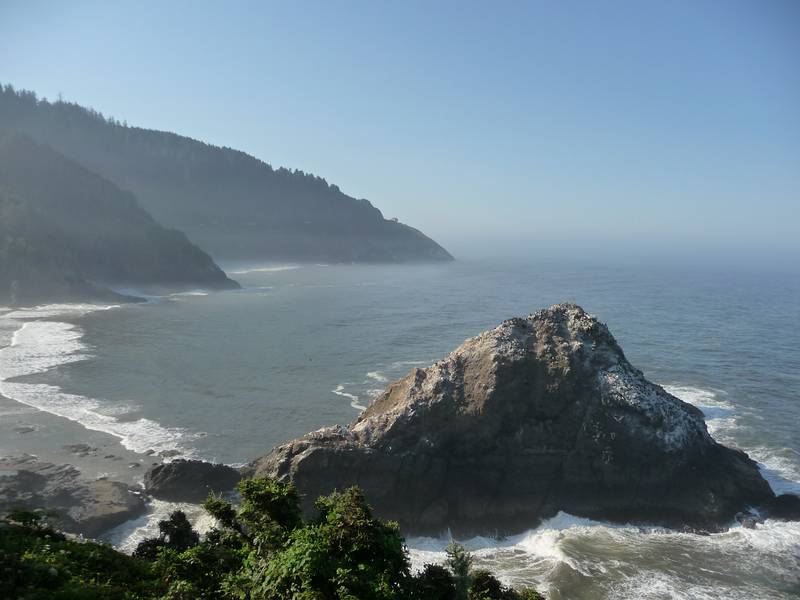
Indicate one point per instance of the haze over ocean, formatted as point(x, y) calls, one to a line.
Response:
point(625, 128)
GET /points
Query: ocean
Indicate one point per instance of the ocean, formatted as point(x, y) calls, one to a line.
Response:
point(226, 376)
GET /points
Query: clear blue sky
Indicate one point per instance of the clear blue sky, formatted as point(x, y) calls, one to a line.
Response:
point(665, 124)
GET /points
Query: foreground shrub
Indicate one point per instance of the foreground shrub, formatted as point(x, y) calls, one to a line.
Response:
point(37, 563)
point(261, 550)
point(435, 581)
point(176, 533)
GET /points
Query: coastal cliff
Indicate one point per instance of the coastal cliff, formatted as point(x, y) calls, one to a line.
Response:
point(539, 415)
point(233, 205)
point(67, 234)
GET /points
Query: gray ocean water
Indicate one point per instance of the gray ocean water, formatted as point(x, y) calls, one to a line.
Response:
point(226, 376)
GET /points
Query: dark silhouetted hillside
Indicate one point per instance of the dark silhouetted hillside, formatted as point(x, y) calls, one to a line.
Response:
point(231, 204)
point(65, 233)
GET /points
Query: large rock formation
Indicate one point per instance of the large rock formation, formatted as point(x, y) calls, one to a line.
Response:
point(189, 480)
point(535, 416)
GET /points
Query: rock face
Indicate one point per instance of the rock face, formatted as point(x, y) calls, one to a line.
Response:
point(189, 480)
point(535, 416)
point(79, 506)
point(785, 506)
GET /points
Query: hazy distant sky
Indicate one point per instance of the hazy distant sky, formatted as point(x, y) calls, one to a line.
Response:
point(676, 123)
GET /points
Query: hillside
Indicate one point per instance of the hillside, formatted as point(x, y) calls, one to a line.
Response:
point(230, 203)
point(65, 233)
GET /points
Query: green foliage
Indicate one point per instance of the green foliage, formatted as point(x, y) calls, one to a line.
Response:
point(176, 533)
point(485, 586)
point(148, 549)
point(262, 550)
point(37, 564)
point(30, 518)
point(222, 510)
point(529, 594)
point(479, 584)
point(460, 563)
point(270, 510)
point(344, 553)
point(434, 582)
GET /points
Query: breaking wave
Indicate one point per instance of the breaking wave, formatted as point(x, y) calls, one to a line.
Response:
point(275, 269)
point(37, 345)
point(354, 399)
point(572, 557)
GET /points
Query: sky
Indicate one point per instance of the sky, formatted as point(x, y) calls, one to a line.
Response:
point(642, 126)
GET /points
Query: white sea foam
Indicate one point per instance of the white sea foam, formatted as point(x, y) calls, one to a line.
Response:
point(38, 346)
point(377, 376)
point(720, 414)
point(189, 293)
point(541, 543)
point(274, 269)
point(45, 311)
point(566, 550)
point(339, 391)
point(779, 466)
point(710, 401)
point(407, 363)
point(127, 536)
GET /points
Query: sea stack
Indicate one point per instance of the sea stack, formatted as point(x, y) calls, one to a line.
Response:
point(539, 415)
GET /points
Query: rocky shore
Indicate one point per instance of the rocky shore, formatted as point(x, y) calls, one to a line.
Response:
point(76, 504)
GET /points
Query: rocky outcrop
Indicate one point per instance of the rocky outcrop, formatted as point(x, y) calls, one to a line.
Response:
point(538, 415)
point(189, 480)
point(785, 507)
point(77, 505)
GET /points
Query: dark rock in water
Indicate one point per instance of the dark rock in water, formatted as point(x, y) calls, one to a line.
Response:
point(749, 520)
point(80, 449)
point(189, 480)
point(535, 416)
point(785, 507)
point(79, 505)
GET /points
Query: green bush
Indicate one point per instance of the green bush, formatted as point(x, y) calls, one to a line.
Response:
point(435, 581)
point(261, 550)
point(38, 563)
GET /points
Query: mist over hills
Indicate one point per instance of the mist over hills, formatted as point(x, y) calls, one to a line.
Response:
point(233, 205)
point(66, 233)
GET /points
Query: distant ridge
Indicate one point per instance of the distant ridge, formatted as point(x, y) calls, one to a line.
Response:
point(66, 234)
point(233, 205)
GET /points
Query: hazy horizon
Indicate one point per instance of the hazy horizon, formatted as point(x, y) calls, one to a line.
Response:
point(661, 130)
